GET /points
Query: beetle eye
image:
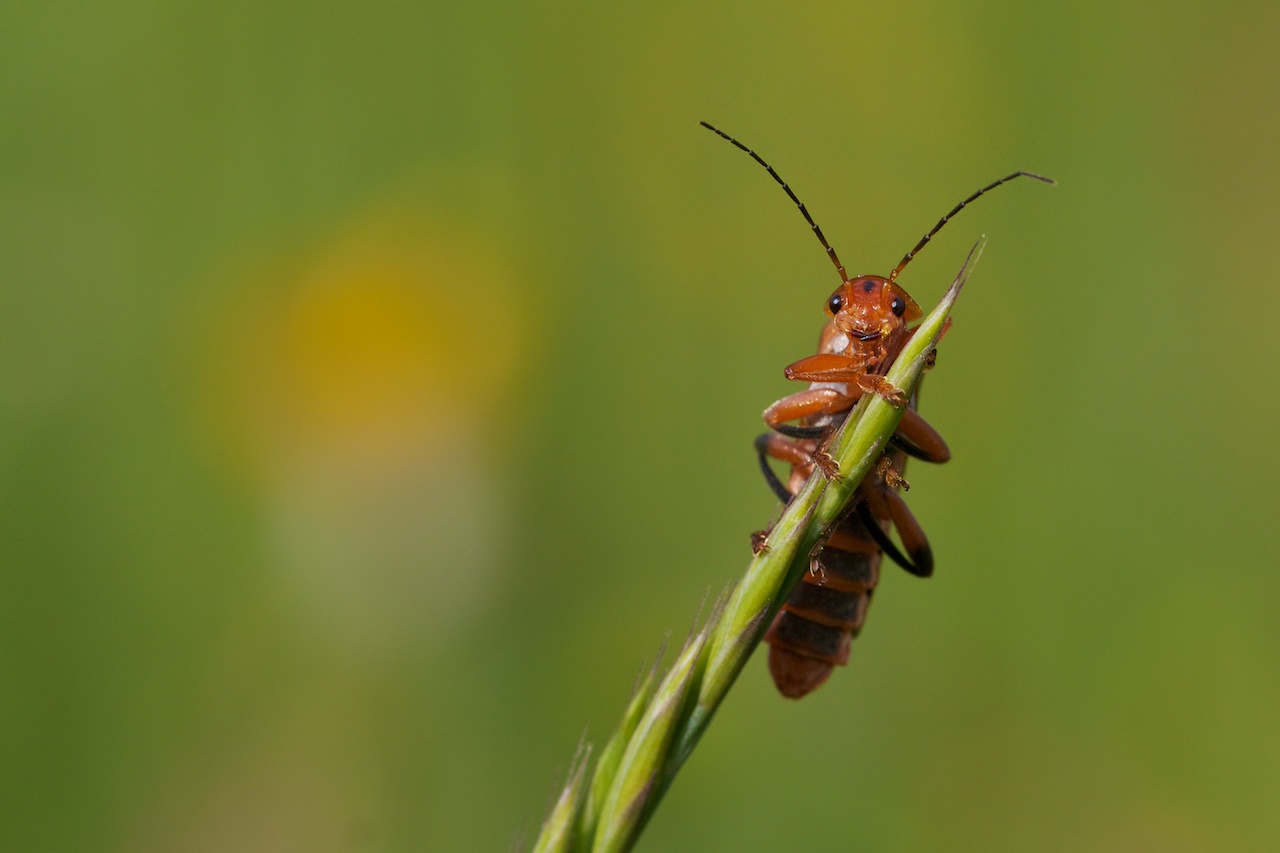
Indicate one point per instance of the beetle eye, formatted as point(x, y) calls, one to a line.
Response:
point(835, 303)
point(898, 306)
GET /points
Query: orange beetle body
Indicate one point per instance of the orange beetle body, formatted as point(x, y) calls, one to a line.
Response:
point(868, 327)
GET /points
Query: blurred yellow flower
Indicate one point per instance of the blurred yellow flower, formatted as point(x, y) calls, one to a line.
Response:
point(395, 333)
point(359, 387)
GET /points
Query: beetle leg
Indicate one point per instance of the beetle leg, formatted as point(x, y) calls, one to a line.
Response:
point(805, 404)
point(794, 431)
point(911, 534)
point(885, 503)
point(826, 463)
point(759, 542)
point(773, 445)
point(877, 384)
point(832, 367)
point(916, 438)
point(823, 363)
point(868, 519)
point(859, 382)
point(804, 372)
point(891, 476)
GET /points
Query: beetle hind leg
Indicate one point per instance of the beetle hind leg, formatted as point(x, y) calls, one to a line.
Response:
point(916, 438)
point(885, 504)
point(770, 444)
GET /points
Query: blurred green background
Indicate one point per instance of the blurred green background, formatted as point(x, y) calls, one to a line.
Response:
point(377, 387)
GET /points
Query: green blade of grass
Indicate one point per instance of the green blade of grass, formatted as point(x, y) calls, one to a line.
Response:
point(611, 757)
point(644, 759)
point(558, 832)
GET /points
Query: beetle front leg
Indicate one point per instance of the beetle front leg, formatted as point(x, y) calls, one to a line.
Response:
point(827, 367)
point(805, 404)
point(877, 384)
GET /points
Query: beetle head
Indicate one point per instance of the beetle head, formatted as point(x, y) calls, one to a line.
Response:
point(871, 309)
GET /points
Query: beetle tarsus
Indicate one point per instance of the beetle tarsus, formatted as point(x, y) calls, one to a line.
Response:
point(759, 542)
point(826, 463)
point(892, 476)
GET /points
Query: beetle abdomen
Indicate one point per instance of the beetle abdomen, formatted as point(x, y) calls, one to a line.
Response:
point(812, 633)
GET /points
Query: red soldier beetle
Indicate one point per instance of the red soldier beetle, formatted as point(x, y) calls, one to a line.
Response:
point(868, 327)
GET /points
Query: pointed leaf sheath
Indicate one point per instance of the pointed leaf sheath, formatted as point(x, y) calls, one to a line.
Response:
point(559, 829)
point(611, 757)
point(645, 756)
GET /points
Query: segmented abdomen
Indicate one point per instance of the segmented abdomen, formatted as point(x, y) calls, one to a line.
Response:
point(813, 631)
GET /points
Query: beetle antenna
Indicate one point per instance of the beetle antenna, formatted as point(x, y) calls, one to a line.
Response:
point(803, 210)
point(943, 221)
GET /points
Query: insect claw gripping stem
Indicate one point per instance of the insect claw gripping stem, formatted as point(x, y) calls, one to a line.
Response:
point(759, 542)
point(891, 475)
point(826, 463)
point(891, 394)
